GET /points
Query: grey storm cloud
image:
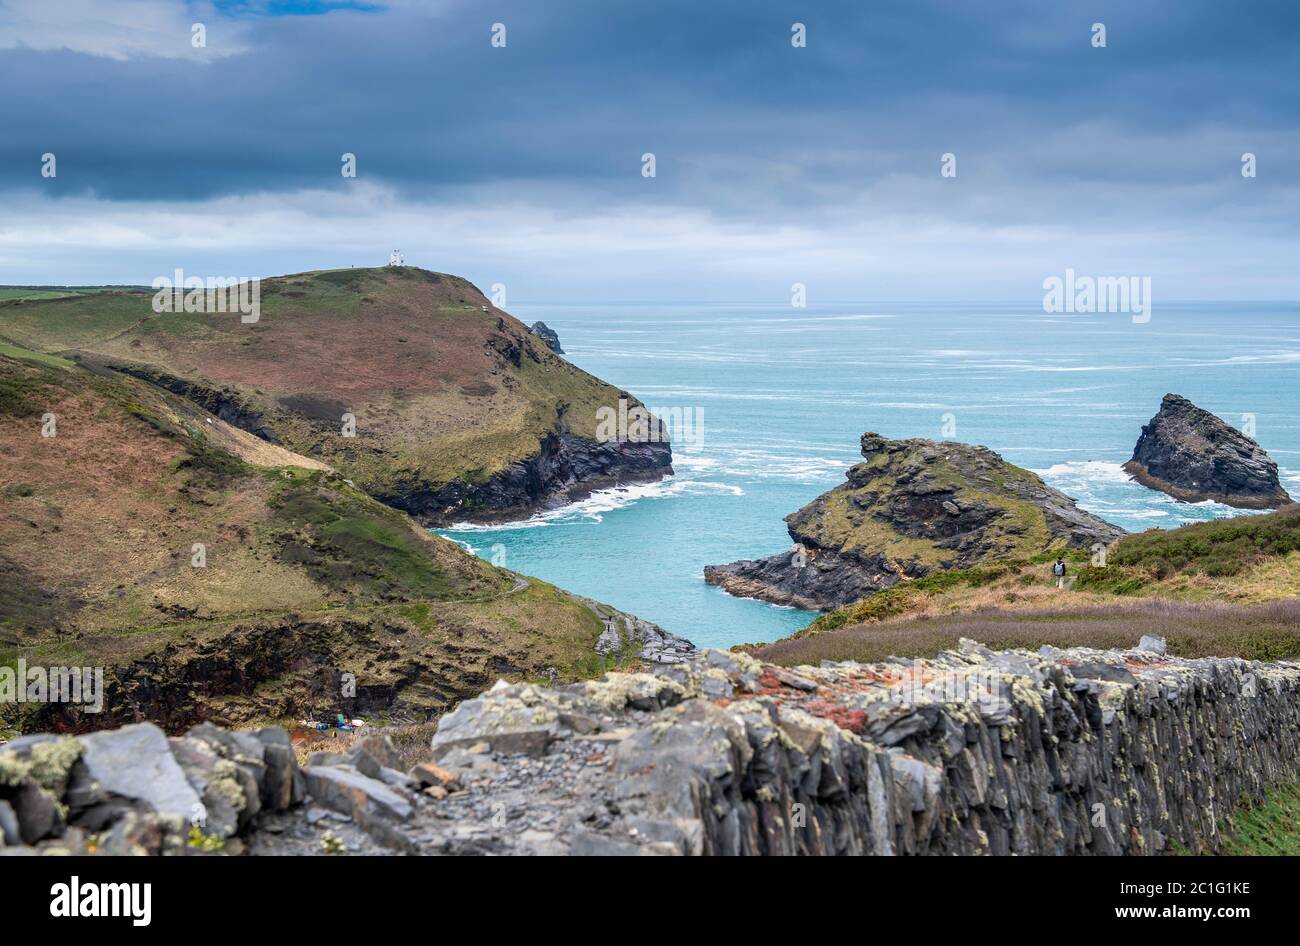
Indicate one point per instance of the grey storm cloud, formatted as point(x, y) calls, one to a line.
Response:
point(1144, 135)
point(584, 88)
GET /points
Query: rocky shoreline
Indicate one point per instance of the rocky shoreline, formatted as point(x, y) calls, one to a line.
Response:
point(1072, 752)
point(566, 469)
point(912, 508)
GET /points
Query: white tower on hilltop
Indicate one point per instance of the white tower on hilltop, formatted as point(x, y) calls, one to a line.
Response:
point(396, 258)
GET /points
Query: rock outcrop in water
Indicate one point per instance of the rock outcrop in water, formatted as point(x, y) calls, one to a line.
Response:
point(974, 752)
point(912, 508)
point(1194, 456)
point(548, 335)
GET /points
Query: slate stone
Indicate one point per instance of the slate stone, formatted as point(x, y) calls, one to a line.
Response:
point(345, 790)
point(9, 831)
point(38, 813)
point(136, 762)
point(281, 785)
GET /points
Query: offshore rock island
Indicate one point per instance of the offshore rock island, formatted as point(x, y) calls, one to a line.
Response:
point(1194, 456)
point(913, 507)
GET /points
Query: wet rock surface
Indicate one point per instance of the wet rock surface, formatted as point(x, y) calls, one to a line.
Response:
point(1194, 456)
point(912, 508)
point(974, 752)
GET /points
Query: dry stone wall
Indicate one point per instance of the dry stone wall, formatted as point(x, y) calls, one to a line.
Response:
point(974, 752)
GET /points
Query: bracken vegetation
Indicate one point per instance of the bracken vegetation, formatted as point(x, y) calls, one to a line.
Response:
point(1208, 587)
point(443, 386)
point(300, 574)
point(1221, 548)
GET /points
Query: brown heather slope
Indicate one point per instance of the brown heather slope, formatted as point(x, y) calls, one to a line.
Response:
point(460, 412)
point(1226, 588)
point(306, 577)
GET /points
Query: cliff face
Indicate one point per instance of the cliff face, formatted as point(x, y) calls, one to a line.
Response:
point(1192, 455)
point(974, 752)
point(564, 469)
point(912, 508)
point(214, 575)
point(410, 383)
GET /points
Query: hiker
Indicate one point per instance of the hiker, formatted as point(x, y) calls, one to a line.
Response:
point(1059, 571)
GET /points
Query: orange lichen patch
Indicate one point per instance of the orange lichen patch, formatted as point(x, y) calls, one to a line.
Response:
point(852, 720)
point(770, 684)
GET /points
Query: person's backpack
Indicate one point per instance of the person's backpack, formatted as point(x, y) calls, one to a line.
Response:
point(1058, 569)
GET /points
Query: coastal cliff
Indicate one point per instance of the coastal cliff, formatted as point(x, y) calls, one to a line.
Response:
point(912, 508)
point(208, 574)
point(410, 383)
point(1194, 456)
point(565, 468)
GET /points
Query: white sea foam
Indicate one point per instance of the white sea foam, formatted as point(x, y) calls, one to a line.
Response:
point(766, 465)
point(1086, 470)
point(1105, 489)
point(594, 507)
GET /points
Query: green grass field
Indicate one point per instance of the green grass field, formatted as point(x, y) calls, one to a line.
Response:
point(1270, 827)
point(34, 293)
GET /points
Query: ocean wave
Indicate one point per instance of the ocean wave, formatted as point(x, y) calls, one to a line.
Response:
point(1091, 471)
point(694, 462)
point(1105, 489)
point(593, 508)
point(765, 465)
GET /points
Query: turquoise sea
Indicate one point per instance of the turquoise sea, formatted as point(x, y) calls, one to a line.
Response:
point(785, 394)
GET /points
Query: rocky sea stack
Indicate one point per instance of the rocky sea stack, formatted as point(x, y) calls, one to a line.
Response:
point(912, 508)
point(547, 334)
point(1194, 456)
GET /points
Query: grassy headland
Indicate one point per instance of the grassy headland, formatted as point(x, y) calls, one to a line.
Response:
point(1229, 587)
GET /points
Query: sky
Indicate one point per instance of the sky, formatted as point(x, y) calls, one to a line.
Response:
point(522, 164)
